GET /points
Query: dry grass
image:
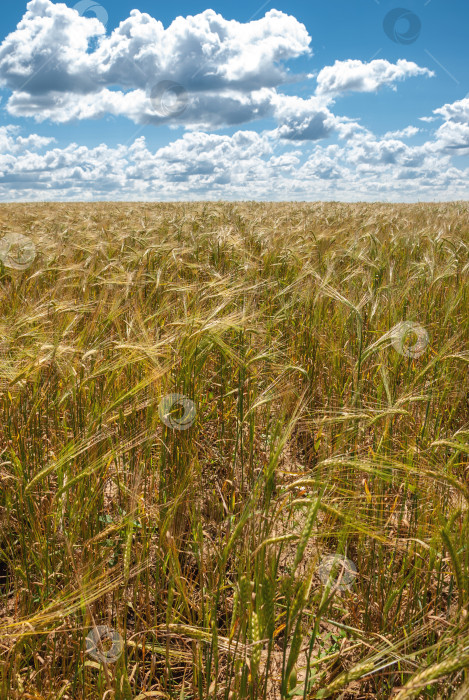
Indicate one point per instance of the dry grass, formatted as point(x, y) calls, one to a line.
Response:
point(313, 435)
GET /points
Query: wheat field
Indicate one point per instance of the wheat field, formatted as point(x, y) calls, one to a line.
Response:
point(235, 452)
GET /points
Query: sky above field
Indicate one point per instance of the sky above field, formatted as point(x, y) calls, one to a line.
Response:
point(300, 100)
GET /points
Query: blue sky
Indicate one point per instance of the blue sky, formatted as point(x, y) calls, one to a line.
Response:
point(338, 100)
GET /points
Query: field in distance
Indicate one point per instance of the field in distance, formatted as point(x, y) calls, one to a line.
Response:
point(234, 448)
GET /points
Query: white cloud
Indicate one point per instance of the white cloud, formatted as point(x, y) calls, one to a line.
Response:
point(301, 119)
point(230, 69)
point(455, 112)
point(246, 165)
point(406, 133)
point(63, 67)
point(11, 142)
point(232, 72)
point(453, 134)
point(357, 76)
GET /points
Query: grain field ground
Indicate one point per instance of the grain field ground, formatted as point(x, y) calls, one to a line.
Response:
point(153, 548)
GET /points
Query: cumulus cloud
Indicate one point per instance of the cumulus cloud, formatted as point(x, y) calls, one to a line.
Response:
point(230, 69)
point(49, 50)
point(245, 165)
point(357, 76)
point(62, 67)
point(456, 112)
point(406, 133)
point(453, 134)
point(11, 142)
point(390, 152)
point(303, 119)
